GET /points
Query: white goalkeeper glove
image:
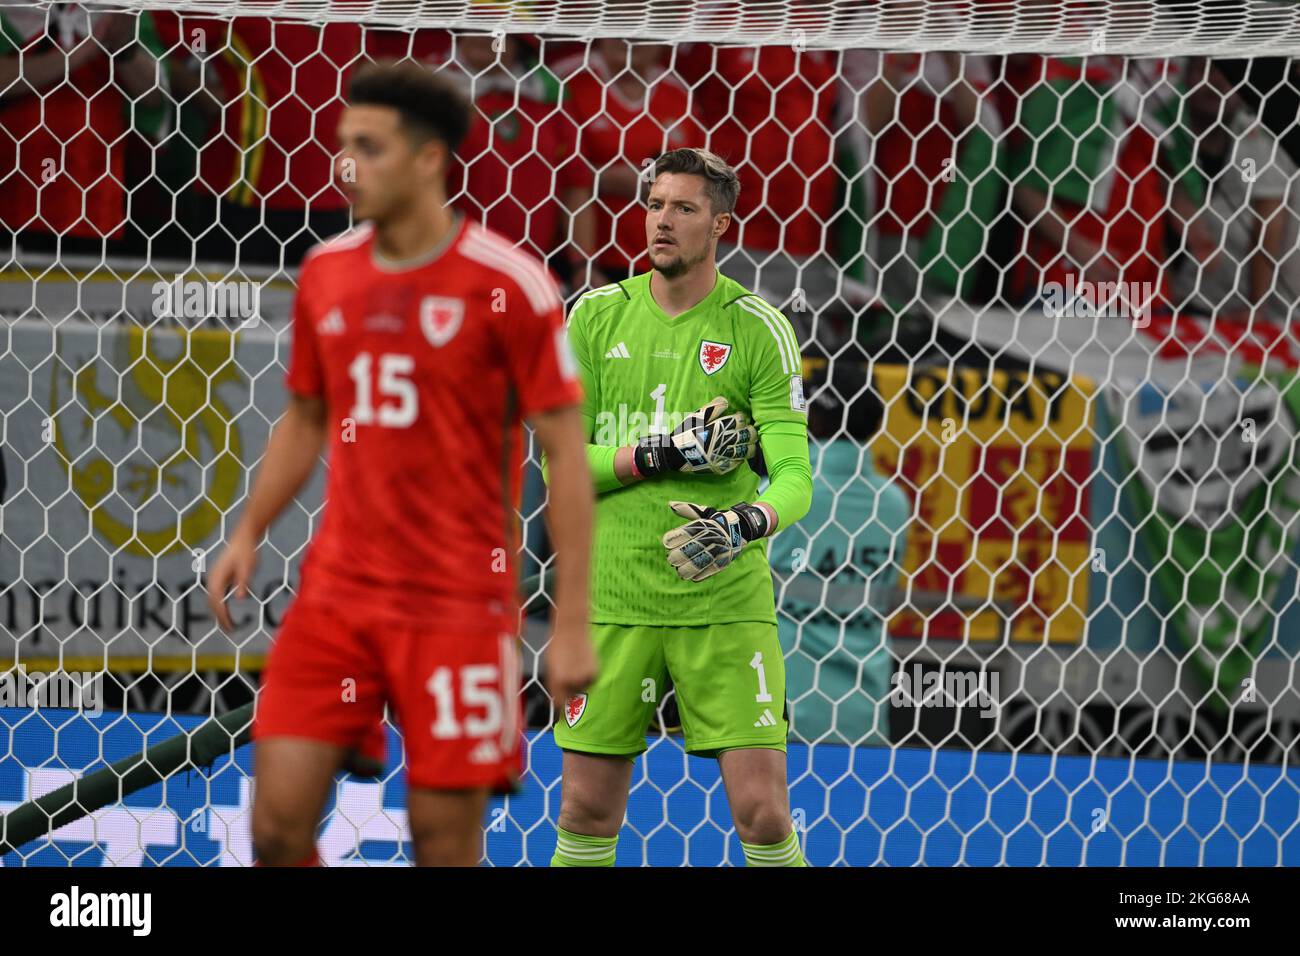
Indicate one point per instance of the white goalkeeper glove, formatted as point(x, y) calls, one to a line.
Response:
point(706, 440)
point(711, 539)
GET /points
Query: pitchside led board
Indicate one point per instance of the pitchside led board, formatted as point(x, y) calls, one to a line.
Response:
point(997, 468)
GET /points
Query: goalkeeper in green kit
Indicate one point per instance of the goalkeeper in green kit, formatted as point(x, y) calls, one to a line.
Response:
point(686, 375)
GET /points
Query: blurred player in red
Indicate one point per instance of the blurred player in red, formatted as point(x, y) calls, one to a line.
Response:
point(420, 342)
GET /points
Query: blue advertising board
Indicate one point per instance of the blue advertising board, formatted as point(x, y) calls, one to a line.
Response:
point(858, 806)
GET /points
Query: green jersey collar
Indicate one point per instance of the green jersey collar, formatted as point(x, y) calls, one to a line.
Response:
point(708, 302)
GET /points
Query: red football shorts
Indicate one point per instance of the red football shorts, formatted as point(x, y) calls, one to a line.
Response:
point(453, 689)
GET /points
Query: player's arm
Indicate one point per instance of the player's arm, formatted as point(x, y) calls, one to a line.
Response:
point(789, 491)
point(570, 660)
point(712, 538)
point(291, 454)
point(708, 441)
point(612, 467)
point(545, 377)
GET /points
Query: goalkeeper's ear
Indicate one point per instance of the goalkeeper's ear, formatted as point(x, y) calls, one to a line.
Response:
point(721, 223)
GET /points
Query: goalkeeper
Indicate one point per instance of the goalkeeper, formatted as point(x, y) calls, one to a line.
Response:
point(686, 375)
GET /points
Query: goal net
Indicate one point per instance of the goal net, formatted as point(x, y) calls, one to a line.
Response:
point(1041, 259)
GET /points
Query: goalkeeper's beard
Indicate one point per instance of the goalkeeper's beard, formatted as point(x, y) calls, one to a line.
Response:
point(678, 266)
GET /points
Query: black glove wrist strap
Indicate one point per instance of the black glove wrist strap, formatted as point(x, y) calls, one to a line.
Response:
point(656, 454)
point(753, 521)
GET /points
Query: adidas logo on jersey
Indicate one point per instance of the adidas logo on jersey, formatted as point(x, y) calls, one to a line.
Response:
point(486, 752)
point(766, 720)
point(618, 351)
point(332, 324)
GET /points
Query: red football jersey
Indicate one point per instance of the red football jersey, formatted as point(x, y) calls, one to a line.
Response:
point(62, 151)
point(427, 371)
point(769, 112)
point(517, 160)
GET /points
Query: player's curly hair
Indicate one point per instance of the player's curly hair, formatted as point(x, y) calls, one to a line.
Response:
point(430, 104)
point(721, 184)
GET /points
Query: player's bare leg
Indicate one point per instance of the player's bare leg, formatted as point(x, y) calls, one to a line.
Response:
point(293, 778)
point(592, 806)
point(594, 792)
point(447, 825)
point(760, 804)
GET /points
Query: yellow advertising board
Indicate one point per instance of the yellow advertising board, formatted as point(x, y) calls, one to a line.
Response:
point(997, 467)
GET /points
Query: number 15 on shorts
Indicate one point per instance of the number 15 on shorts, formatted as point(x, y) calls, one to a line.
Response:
point(479, 687)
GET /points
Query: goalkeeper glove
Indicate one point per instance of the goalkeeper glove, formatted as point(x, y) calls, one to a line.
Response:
point(711, 539)
point(706, 440)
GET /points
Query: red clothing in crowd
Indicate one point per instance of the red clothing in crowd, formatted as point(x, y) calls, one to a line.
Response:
point(769, 112)
point(613, 128)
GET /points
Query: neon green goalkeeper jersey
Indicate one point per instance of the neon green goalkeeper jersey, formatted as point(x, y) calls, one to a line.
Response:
point(642, 373)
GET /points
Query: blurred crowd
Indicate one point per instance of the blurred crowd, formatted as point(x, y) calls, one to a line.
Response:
point(871, 183)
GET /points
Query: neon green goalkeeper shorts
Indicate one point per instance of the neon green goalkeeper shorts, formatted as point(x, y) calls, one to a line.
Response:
point(729, 680)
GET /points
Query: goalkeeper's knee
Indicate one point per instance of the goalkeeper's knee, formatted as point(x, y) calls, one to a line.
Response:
point(578, 849)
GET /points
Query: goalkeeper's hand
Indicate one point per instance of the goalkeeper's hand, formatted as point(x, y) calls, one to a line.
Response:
point(706, 440)
point(711, 539)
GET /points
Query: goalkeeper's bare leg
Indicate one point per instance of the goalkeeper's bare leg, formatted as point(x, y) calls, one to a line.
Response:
point(592, 806)
point(594, 793)
point(755, 780)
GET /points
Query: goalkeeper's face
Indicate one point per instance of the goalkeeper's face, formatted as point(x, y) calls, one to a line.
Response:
point(680, 225)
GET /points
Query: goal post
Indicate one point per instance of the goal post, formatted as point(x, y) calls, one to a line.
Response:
point(1042, 258)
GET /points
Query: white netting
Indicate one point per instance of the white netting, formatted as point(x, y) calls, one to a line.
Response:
point(1242, 27)
point(1053, 296)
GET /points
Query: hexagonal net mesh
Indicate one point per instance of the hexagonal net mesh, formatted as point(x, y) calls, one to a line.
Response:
point(1043, 608)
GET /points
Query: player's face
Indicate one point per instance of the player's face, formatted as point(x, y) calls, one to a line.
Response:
point(679, 223)
point(380, 167)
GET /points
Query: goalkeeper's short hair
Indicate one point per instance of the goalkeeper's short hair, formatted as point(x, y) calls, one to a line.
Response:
point(721, 184)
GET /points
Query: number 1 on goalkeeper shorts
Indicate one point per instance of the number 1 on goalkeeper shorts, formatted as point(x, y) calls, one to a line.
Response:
point(756, 662)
